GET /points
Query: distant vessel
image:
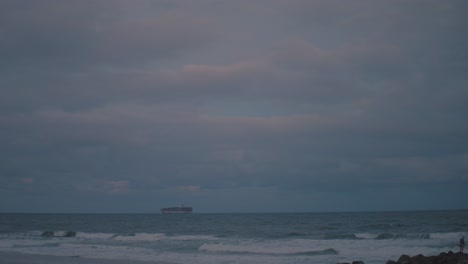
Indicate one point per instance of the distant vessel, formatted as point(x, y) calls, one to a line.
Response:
point(177, 210)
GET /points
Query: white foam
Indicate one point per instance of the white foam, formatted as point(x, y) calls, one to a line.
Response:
point(233, 259)
point(368, 250)
point(7, 244)
point(94, 235)
point(141, 237)
point(161, 236)
point(366, 235)
point(214, 250)
point(193, 237)
point(275, 247)
point(25, 243)
point(35, 233)
point(448, 236)
point(108, 252)
point(440, 236)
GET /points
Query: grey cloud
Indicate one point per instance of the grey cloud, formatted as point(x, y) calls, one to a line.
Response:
point(95, 33)
point(283, 103)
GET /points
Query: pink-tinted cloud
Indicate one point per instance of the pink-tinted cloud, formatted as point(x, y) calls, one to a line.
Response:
point(27, 180)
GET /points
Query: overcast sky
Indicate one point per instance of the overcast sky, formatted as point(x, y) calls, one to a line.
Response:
point(233, 106)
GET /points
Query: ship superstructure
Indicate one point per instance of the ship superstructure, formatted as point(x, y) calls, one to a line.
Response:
point(177, 210)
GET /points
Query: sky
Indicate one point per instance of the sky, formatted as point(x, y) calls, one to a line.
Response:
point(233, 106)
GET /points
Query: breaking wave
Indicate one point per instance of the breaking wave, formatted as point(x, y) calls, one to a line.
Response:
point(58, 234)
point(160, 236)
point(383, 236)
point(259, 250)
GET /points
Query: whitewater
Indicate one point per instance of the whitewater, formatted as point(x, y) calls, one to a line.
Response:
point(372, 237)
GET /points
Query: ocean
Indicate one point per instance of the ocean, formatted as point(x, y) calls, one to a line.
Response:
point(372, 237)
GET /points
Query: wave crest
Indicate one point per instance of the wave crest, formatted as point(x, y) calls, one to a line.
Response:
point(58, 234)
point(382, 236)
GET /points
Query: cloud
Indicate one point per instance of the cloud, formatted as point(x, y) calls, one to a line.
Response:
point(116, 186)
point(284, 102)
point(96, 34)
point(27, 180)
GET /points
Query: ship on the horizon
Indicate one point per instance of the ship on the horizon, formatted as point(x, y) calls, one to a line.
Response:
point(177, 210)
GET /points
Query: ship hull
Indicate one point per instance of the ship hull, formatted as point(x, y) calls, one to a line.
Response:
point(163, 212)
point(176, 210)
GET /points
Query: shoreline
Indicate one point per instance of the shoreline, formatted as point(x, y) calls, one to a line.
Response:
point(443, 258)
point(23, 258)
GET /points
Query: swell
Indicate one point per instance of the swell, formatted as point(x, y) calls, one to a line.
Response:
point(222, 249)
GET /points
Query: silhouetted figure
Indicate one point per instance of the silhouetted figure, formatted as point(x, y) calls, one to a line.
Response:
point(462, 243)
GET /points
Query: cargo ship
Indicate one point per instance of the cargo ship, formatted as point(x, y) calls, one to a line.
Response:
point(177, 210)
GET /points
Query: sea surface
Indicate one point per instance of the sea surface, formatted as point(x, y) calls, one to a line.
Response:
point(373, 237)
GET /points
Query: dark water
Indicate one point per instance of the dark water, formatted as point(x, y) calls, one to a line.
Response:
point(236, 238)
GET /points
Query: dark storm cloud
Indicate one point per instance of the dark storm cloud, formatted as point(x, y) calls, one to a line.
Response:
point(281, 103)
